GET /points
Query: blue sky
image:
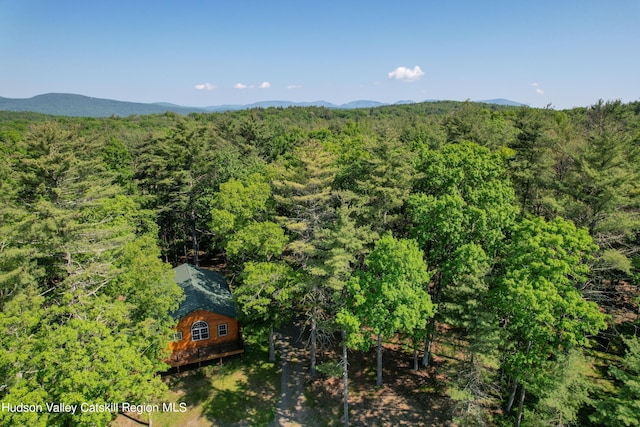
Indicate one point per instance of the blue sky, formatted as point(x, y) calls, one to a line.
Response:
point(199, 53)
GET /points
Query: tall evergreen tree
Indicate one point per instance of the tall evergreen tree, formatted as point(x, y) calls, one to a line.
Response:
point(382, 173)
point(92, 321)
point(624, 407)
point(532, 160)
point(307, 202)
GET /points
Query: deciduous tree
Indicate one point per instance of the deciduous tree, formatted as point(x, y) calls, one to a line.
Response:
point(390, 293)
point(537, 299)
point(463, 207)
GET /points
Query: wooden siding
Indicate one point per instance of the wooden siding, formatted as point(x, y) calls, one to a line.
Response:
point(213, 320)
point(187, 351)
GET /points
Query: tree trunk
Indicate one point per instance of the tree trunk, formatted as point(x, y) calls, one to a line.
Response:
point(194, 238)
point(525, 197)
point(520, 405)
point(415, 358)
point(312, 350)
point(428, 343)
point(512, 396)
point(379, 376)
point(345, 378)
point(272, 346)
point(431, 327)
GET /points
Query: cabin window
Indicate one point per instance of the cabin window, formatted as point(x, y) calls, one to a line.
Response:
point(222, 330)
point(199, 331)
point(177, 336)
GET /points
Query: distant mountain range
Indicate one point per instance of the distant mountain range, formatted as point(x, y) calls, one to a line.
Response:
point(65, 104)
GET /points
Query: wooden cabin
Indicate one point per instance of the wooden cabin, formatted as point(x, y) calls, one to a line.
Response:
point(207, 318)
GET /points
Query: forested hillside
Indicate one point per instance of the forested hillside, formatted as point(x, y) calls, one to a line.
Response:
point(512, 231)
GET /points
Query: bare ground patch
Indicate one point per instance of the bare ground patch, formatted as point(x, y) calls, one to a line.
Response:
point(252, 392)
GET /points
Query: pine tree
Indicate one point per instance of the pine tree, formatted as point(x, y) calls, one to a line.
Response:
point(89, 319)
point(305, 197)
point(624, 407)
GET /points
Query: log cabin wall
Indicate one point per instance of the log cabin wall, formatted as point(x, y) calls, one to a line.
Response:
point(212, 320)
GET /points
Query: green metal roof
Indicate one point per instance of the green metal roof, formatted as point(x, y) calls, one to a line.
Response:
point(203, 290)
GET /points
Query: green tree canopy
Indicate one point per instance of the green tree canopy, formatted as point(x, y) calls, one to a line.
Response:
point(623, 408)
point(389, 295)
point(538, 300)
point(463, 207)
point(88, 320)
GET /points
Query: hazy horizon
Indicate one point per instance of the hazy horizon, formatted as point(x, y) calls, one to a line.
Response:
point(201, 54)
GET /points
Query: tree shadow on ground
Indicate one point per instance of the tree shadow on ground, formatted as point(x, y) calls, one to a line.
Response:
point(237, 393)
point(406, 398)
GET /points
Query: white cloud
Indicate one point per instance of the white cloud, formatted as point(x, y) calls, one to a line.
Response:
point(407, 74)
point(205, 86)
point(538, 90)
point(294, 86)
point(263, 85)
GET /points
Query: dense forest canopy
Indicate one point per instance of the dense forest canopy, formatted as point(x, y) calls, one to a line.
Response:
point(518, 228)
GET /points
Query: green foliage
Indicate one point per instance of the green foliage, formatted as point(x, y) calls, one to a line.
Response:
point(470, 183)
point(464, 208)
point(593, 180)
point(624, 407)
point(239, 219)
point(146, 282)
point(240, 203)
point(379, 173)
point(119, 160)
point(566, 393)
point(472, 392)
point(331, 369)
point(544, 315)
point(304, 195)
point(532, 158)
point(86, 299)
point(85, 203)
point(266, 292)
point(89, 358)
point(261, 240)
point(389, 296)
point(615, 259)
point(349, 321)
point(537, 295)
point(392, 288)
point(475, 122)
point(604, 177)
point(465, 302)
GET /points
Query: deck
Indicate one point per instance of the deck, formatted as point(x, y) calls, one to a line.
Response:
point(203, 354)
